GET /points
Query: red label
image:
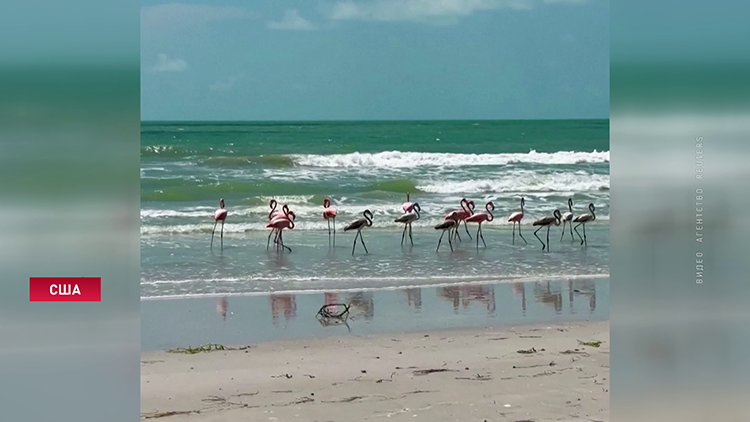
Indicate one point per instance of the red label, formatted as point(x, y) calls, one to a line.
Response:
point(65, 289)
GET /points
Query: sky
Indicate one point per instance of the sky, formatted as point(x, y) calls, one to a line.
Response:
point(374, 59)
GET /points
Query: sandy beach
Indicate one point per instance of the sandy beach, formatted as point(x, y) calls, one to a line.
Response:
point(525, 373)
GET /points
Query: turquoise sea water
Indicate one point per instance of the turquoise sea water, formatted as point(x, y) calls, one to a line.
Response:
point(187, 166)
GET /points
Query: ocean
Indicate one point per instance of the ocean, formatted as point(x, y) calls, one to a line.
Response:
point(186, 167)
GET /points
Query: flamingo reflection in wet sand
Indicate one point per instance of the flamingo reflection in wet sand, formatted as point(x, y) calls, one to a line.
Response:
point(467, 209)
point(516, 217)
point(407, 219)
point(274, 214)
point(481, 217)
point(568, 218)
point(448, 225)
point(219, 215)
point(358, 225)
point(329, 214)
point(547, 222)
point(582, 220)
point(280, 223)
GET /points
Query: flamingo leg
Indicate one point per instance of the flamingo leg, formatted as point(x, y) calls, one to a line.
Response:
point(361, 239)
point(329, 232)
point(411, 239)
point(212, 233)
point(403, 234)
point(281, 241)
point(450, 243)
point(570, 226)
point(268, 241)
point(579, 234)
point(222, 234)
point(548, 238)
point(519, 233)
point(440, 240)
point(455, 231)
point(481, 234)
point(466, 227)
point(540, 240)
point(478, 228)
point(563, 231)
point(514, 232)
point(354, 245)
point(334, 232)
point(584, 235)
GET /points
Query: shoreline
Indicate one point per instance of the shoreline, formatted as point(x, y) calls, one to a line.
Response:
point(536, 371)
point(225, 319)
point(477, 282)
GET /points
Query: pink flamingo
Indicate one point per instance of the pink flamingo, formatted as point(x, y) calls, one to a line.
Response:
point(408, 206)
point(516, 217)
point(450, 224)
point(467, 209)
point(481, 217)
point(279, 224)
point(274, 214)
point(407, 219)
point(219, 215)
point(358, 225)
point(547, 222)
point(329, 213)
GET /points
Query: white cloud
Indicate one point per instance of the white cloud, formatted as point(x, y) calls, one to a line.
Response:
point(165, 64)
point(292, 21)
point(420, 10)
point(173, 14)
point(224, 85)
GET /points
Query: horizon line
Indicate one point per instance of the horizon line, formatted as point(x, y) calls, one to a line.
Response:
point(366, 120)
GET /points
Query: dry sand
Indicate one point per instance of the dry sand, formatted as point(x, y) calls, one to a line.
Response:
point(459, 375)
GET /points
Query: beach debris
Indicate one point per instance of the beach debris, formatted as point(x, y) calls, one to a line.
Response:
point(327, 316)
point(326, 312)
point(478, 377)
point(574, 352)
point(211, 347)
point(288, 376)
point(170, 413)
point(595, 343)
point(527, 351)
point(430, 371)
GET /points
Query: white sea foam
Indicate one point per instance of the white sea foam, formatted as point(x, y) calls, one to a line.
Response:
point(521, 182)
point(398, 159)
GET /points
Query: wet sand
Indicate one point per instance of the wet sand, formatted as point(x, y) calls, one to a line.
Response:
point(537, 372)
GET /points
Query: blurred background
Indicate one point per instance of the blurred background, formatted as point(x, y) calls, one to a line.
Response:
point(679, 71)
point(69, 199)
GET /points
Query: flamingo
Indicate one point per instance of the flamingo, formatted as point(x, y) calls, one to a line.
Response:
point(358, 225)
point(219, 215)
point(447, 226)
point(583, 219)
point(467, 209)
point(274, 214)
point(480, 218)
point(407, 219)
point(279, 224)
point(407, 206)
point(547, 222)
point(516, 217)
point(329, 213)
point(567, 218)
